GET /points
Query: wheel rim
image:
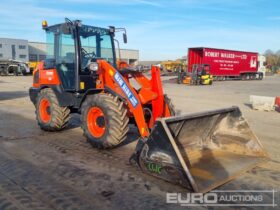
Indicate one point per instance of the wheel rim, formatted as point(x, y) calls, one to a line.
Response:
point(45, 110)
point(96, 122)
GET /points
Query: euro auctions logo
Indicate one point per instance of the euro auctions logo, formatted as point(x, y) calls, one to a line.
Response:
point(241, 198)
point(191, 199)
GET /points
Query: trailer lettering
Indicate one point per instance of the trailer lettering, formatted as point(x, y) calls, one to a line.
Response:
point(227, 55)
point(212, 54)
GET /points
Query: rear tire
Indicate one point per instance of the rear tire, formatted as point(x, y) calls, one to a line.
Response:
point(50, 116)
point(104, 120)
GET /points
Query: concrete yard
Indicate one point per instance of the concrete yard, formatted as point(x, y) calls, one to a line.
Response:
point(41, 170)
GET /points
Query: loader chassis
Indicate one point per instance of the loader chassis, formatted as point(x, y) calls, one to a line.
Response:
point(81, 75)
point(71, 85)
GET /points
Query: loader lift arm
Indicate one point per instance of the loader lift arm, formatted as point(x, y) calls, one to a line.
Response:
point(150, 92)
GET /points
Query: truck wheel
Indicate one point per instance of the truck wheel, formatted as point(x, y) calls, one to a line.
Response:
point(252, 76)
point(50, 116)
point(104, 120)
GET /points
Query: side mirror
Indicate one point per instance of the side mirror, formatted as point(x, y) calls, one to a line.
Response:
point(124, 38)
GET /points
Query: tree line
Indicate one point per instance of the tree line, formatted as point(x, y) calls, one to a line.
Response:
point(272, 60)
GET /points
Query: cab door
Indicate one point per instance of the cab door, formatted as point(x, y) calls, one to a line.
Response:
point(65, 57)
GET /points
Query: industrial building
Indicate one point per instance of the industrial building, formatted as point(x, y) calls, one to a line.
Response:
point(16, 49)
point(37, 51)
point(23, 50)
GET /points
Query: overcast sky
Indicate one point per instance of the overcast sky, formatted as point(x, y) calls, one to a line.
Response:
point(160, 29)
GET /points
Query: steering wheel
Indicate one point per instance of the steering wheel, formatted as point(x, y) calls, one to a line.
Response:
point(88, 55)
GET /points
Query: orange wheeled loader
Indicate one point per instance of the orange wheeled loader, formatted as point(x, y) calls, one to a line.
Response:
point(199, 151)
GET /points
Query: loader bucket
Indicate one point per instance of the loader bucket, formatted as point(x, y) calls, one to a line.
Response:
point(201, 151)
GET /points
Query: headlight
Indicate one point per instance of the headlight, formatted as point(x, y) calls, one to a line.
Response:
point(93, 66)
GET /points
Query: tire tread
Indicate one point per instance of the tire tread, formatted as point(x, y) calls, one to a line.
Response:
point(117, 118)
point(59, 115)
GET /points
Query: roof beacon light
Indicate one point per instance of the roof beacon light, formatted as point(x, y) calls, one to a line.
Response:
point(44, 24)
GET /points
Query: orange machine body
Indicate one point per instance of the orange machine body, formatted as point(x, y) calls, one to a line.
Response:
point(43, 76)
point(149, 94)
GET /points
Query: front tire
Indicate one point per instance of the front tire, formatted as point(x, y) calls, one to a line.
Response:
point(50, 116)
point(104, 120)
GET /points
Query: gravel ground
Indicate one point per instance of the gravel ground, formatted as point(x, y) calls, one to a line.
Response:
point(40, 170)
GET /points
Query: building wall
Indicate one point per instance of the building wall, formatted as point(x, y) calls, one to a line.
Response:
point(130, 56)
point(16, 49)
point(37, 51)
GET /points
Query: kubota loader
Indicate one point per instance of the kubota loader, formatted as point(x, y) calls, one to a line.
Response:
point(199, 151)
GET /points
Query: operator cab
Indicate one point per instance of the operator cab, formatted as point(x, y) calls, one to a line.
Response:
point(74, 48)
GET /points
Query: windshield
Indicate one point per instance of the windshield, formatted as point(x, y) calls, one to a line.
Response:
point(95, 43)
